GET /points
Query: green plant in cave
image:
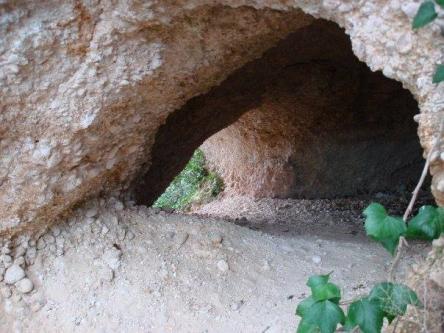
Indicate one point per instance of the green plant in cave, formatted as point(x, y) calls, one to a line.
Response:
point(426, 14)
point(194, 184)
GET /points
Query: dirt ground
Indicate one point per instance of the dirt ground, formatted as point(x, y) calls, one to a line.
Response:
point(117, 267)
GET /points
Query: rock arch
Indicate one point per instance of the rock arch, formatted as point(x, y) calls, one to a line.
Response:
point(86, 87)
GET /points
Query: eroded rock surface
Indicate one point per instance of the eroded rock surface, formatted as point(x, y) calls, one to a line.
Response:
point(324, 126)
point(86, 86)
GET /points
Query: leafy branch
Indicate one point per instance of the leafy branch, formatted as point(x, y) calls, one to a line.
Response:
point(426, 14)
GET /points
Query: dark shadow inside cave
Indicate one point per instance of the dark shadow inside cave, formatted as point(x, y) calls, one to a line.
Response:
point(306, 120)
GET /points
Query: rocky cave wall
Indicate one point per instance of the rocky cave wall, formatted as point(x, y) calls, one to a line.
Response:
point(87, 85)
point(324, 125)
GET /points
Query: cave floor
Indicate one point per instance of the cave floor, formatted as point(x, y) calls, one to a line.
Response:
point(124, 268)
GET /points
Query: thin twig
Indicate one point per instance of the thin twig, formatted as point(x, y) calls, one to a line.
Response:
point(402, 241)
point(424, 173)
point(399, 251)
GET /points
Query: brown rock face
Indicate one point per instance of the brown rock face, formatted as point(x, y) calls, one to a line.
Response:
point(86, 86)
point(324, 125)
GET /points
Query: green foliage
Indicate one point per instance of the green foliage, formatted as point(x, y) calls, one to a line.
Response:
point(426, 14)
point(382, 227)
point(427, 224)
point(393, 298)
point(323, 313)
point(194, 184)
point(320, 312)
point(366, 314)
point(439, 74)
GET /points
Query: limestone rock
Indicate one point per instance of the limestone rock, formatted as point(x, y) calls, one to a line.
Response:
point(14, 274)
point(25, 286)
point(87, 86)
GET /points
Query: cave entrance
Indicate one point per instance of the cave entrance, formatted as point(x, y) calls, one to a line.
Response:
point(306, 120)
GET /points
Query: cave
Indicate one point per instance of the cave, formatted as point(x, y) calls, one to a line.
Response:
point(306, 120)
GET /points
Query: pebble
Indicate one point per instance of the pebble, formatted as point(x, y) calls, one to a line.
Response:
point(13, 274)
point(19, 261)
point(236, 306)
point(56, 231)
point(316, 259)
point(49, 239)
point(19, 251)
point(92, 212)
point(216, 238)
point(182, 238)
point(6, 250)
point(6, 259)
point(25, 286)
point(112, 258)
point(118, 205)
point(41, 244)
point(36, 306)
point(222, 265)
point(2, 273)
point(5, 292)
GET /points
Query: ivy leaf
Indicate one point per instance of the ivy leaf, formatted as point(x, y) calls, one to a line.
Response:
point(393, 298)
point(305, 327)
point(326, 315)
point(317, 280)
point(439, 74)
point(426, 224)
point(383, 228)
point(426, 14)
point(328, 291)
point(366, 314)
point(303, 306)
point(440, 2)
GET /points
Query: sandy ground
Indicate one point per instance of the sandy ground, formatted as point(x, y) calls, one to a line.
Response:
point(122, 268)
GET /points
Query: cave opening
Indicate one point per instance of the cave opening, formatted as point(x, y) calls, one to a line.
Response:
point(307, 120)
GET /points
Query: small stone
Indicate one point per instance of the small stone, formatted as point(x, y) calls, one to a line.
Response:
point(6, 292)
point(31, 252)
point(216, 238)
point(56, 231)
point(19, 261)
point(438, 243)
point(108, 274)
point(118, 205)
point(14, 274)
point(92, 212)
point(2, 273)
point(19, 251)
point(36, 306)
point(41, 244)
point(130, 235)
point(25, 286)
point(49, 239)
point(222, 265)
point(112, 258)
point(236, 306)
point(105, 230)
point(182, 238)
point(316, 259)
point(410, 8)
point(6, 259)
point(6, 250)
